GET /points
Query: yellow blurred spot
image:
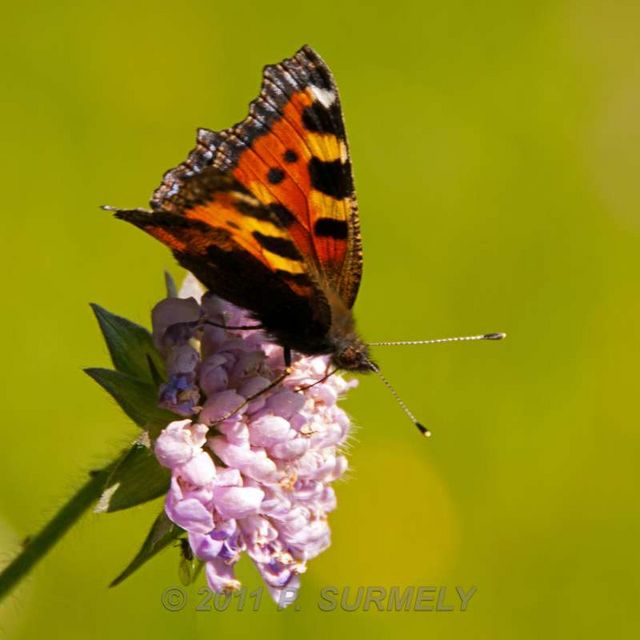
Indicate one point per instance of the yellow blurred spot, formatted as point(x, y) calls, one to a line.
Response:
point(395, 523)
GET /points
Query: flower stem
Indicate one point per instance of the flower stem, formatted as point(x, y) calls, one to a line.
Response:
point(37, 546)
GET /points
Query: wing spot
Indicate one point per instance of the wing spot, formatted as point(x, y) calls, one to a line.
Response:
point(320, 119)
point(284, 216)
point(331, 228)
point(275, 175)
point(332, 178)
point(282, 247)
point(325, 96)
point(290, 156)
point(259, 213)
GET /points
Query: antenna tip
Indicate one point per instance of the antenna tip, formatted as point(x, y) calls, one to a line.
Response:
point(423, 430)
point(494, 336)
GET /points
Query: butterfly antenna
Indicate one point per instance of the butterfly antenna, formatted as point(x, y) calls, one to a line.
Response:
point(401, 343)
point(421, 428)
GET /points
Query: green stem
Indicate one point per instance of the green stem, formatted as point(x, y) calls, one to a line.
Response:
point(36, 547)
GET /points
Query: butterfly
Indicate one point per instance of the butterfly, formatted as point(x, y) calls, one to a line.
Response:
point(265, 215)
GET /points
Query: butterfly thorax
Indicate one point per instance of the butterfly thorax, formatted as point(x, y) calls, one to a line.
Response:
point(339, 339)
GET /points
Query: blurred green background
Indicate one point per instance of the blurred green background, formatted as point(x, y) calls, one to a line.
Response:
point(495, 147)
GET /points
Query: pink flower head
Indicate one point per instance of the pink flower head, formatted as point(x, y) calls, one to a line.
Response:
point(249, 474)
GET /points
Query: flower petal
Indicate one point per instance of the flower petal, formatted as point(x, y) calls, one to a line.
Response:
point(175, 445)
point(269, 430)
point(204, 546)
point(191, 515)
point(200, 470)
point(237, 502)
point(220, 576)
point(221, 405)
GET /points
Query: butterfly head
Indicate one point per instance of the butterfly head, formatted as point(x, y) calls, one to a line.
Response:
point(353, 355)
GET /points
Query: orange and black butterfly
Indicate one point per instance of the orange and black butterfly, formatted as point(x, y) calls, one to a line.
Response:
point(264, 214)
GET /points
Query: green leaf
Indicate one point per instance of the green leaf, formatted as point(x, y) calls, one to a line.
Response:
point(156, 376)
point(138, 478)
point(130, 345)
point(162, 533)
point(170, 285)
point(138, 399)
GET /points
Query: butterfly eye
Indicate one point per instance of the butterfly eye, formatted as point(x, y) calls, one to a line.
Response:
point(354, 357)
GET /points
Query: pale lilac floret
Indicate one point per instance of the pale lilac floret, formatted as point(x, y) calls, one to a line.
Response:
point(249, 474)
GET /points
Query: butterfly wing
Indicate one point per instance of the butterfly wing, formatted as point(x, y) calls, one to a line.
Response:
point(291, 153)
point(264, 213)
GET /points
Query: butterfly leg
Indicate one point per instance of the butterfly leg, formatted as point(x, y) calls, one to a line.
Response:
point(245, 327)
point(313, 384)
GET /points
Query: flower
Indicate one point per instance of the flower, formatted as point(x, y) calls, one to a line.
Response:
point(251, 471)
